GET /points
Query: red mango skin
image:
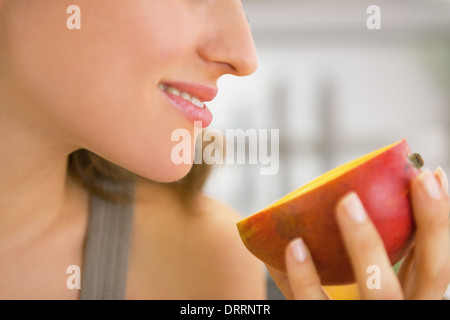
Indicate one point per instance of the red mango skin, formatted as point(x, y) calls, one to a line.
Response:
point(383, 185)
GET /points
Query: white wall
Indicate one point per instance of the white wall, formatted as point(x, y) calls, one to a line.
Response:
point(336, 90)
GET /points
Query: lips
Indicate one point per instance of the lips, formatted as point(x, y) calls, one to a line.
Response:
point(190, 100)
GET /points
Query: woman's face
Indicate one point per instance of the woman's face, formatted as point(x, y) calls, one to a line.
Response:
point(108, 87)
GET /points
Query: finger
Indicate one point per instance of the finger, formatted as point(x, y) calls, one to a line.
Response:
point(373, 270)
point(281, 281)
point(431, 207)
point(442, 178)
point(302, 274)
point(406, 273)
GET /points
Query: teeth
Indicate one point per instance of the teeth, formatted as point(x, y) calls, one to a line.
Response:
point(186, 96)
point(173, 91)
point(196, 102)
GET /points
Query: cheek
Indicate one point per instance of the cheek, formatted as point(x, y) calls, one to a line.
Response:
point(138, 121)
point(98, 86)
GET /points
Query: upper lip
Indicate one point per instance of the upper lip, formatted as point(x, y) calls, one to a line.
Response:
point(203, 92)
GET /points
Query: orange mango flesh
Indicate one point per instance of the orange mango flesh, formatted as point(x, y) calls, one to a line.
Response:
point(330, 175)
point(381, 179)
point(348, 292)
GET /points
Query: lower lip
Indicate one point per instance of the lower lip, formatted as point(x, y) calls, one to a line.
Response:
point(190, 111)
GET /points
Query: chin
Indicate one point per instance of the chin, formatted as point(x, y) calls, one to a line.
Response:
point(166, 173)
point(176, 173)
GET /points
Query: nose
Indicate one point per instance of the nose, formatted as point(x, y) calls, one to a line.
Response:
point(228, 42)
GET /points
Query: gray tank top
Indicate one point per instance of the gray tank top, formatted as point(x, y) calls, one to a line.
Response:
point(107, 246)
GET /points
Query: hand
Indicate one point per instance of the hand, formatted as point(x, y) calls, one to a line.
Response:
point(425, 271)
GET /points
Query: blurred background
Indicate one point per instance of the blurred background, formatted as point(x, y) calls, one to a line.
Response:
point(336, 91)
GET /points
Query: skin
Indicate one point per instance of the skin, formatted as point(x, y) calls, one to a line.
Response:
point(97, 88)
point(424, 273)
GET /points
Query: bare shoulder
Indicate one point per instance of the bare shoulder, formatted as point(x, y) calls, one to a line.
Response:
point(240, 272)
point(190, 250)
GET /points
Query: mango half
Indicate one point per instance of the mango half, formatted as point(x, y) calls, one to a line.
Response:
point(381, 179)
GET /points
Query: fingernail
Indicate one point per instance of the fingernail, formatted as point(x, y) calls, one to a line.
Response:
point(354, 207)
point(298, 249)
point(442, 178)
point(430, 185)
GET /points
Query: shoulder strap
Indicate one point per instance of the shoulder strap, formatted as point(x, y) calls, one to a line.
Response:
point(104, 272)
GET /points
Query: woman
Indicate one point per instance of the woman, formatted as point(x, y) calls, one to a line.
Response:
point(133, 73)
